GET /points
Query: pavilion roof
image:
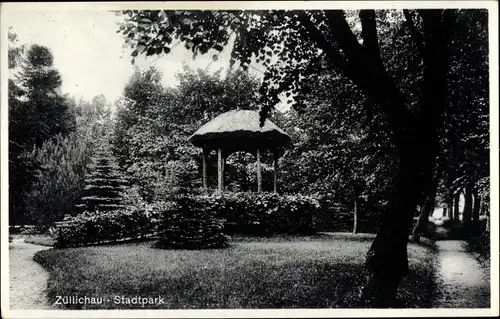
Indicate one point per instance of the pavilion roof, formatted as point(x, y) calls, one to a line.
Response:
point(239, 129)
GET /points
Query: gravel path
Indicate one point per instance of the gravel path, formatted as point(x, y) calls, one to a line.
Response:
point(28, 280)
point(461, 281)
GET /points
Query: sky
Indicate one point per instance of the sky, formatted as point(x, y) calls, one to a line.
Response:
point(92, 58)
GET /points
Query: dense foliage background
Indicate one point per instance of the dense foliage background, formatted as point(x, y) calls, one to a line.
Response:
point(342, 150)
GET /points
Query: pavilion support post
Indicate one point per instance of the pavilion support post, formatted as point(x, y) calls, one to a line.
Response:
point(259, 173)
point(220, 170)
point(275, 171)
point(204, 162)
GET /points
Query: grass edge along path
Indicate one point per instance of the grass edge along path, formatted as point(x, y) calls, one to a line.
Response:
point(254, 272)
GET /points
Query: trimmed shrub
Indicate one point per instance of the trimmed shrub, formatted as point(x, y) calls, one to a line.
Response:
point(268, 213)
point(203, 221)
point(193, 224)
point(103, 227)
point(256, 213)
point(194, 221)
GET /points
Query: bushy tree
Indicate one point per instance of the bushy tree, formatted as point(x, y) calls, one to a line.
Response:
point(59, 178)
point(45, 112)
point(141, 92)
point(340, 151)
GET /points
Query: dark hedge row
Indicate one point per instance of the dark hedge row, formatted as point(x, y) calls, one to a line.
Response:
point(204, 221)
point(90, 228)
point(197, 221)
point(264, 213)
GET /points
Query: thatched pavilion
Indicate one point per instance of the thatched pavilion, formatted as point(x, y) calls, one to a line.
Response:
point(239, 130)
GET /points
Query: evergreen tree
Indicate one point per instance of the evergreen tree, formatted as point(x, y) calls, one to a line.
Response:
point(59, 178)
point(104, 182)
point(38, 112)
point(62, 164)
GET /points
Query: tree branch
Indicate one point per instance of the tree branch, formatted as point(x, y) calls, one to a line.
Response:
point(322, 42)
point(342, 33)
point(415, 34)
point(369, 35)
point(437, 35)
point(367, 73)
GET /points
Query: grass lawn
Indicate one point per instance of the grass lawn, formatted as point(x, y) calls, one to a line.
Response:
point(278, 272)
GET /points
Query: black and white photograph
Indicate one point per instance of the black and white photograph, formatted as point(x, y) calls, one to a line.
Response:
point(249, 159)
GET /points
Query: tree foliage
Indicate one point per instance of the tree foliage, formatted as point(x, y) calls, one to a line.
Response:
point(340, 150)
point(42, 112)
point(64, 162)
point(59, 178)
point(465, 135)
point(154, 123)
point(38, 112)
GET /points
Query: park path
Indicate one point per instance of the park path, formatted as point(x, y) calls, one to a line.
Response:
point(28, 280)
point(461, 281)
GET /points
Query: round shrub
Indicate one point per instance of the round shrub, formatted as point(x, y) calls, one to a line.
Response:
point(192, 224)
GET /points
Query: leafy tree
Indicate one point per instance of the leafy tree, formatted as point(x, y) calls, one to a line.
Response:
point(154, 123)
point(46, 110)
point(141, 91)
point(21, 166)
point(465, 141)
point(304, 41)
point(93, 118)
point(340, 152)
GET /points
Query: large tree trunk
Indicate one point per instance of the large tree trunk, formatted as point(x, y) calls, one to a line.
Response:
point(477, 208)
point(387, 260)
point(416, 140)
point(355, 223)
point(467, 214)
point(449, 205)
point(456, 207)
point(423, 219)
